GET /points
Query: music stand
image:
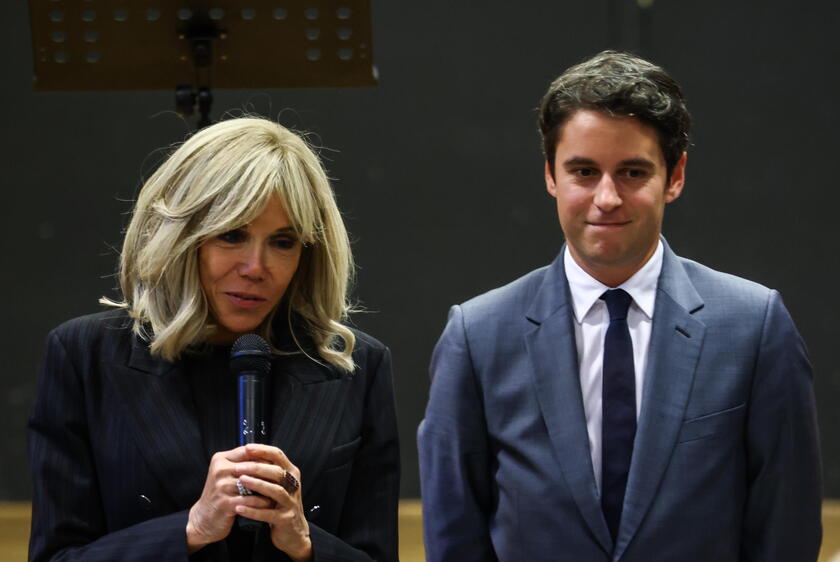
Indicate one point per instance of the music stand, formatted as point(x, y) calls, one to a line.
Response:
point(112, 45)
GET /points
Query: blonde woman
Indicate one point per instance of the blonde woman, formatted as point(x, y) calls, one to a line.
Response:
point(133, 434)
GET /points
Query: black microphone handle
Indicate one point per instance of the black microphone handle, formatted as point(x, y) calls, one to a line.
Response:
point(251, 424)
point(251, 419)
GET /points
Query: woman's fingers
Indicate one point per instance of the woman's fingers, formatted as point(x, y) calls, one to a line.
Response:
point(255, 502)
point(260, 469)
point(264, 515)
point(272, 516)
point(289, 529)
point(268, 489)
point(272, 455)
point(270, 463)
point(212, 515)
point(238, 454)
point(269, 473)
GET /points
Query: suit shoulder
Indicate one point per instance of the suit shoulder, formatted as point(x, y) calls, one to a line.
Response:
point(368, 352)
point(86, 342)
point(366, 342)
point(713, 284)
point(93, 327)
point(515, 296)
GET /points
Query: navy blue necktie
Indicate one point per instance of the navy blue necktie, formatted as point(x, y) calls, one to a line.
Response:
point(618, 403)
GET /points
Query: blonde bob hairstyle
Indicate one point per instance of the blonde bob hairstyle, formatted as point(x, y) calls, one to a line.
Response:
point(220, 180)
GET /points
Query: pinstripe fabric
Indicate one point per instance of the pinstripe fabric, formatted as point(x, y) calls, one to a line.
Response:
point(117, 459)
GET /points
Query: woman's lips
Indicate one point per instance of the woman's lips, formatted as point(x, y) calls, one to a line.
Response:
point(245, 300)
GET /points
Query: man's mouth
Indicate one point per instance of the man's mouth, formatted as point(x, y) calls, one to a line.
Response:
point(608, 224)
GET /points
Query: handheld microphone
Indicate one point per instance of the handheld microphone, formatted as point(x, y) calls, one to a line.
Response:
point(250, 361)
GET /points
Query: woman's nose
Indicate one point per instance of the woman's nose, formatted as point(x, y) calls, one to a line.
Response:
point(252, 263)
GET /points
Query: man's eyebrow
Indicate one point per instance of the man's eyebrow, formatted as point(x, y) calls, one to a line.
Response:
point(637, 163)
point(578, 161)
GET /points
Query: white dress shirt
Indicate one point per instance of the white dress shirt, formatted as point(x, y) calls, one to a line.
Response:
point(591, 321)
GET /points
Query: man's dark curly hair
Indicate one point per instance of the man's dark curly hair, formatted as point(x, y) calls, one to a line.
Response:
point(618, 84)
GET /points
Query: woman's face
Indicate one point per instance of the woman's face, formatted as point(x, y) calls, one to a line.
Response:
point(245, 272)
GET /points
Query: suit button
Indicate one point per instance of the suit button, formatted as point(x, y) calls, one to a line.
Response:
point(145, 503)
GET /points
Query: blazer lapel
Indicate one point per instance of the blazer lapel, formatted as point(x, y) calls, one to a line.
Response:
point(158, 401)
point(675, 345)
point(157, 397)
point(553, 352)
point(307, 411)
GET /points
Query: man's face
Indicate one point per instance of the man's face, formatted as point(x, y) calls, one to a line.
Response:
point(611, 189)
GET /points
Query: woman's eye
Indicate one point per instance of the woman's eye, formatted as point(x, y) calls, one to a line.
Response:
point(284, 243)
point(232, 236)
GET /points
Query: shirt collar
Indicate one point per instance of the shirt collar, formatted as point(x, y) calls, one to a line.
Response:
point(586, 290)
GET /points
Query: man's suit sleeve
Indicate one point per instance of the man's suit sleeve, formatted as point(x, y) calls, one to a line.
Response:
point(68, 522)
point(782, 511)
point(368, 528)
point(454, 458)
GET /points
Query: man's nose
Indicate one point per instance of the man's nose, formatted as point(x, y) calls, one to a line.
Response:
point(606, 194)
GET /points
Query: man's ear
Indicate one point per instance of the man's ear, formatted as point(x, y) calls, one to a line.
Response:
point(549, 181)
point(677, 179)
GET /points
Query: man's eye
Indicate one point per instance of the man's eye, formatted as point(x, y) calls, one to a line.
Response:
point(635, 173)
point(583, 172)
point(232, 236)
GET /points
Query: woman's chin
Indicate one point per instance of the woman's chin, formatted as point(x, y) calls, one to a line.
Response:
point(229, 334)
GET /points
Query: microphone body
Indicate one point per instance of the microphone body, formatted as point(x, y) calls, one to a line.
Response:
point(251, 408)
point(250, 361)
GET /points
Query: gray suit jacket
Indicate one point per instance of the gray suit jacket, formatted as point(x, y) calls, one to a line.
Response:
point(726, 458)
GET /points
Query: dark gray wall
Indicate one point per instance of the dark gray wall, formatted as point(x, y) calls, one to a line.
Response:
point(439, 173)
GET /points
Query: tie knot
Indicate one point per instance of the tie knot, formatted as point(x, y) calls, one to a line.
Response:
point(618, 301)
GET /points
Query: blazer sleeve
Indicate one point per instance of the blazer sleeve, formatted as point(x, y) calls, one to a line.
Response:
point(68, 522)
point(454, 461)
point(368, 525)
point(782, 511)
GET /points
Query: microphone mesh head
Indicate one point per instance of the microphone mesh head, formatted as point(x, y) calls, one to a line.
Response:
point(250, 353)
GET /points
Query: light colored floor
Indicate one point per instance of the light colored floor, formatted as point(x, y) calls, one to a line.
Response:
point(831, 532)
point(14, 531)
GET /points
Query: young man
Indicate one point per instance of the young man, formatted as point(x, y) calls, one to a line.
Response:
point(622, 403)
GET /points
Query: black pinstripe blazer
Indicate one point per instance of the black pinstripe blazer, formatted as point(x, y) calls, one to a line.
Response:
point(117, 456)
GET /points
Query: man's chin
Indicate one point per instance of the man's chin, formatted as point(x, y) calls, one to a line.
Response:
point(605, 255)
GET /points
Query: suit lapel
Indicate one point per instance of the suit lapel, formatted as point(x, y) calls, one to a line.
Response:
point(307, 411)
point(675, 344)
point(553, 352)
point(157, 398)
point(156, 395)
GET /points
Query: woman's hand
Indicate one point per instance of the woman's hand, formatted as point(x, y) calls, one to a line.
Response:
point(265, 473)
point(212, 516)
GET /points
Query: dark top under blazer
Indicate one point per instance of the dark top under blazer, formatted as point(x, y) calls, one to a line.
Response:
point(117, 456)
point(725, 464)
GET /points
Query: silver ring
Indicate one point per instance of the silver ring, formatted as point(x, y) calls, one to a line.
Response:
point(243, 491)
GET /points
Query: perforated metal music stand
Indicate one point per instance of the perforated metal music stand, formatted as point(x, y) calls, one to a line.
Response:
point(145, 45)
point(104, 45)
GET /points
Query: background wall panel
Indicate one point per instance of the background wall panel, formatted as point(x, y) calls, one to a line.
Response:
point(439, 173)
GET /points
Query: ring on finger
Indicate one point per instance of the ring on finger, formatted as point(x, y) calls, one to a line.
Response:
point(289, 482)
point(243, 491)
